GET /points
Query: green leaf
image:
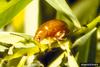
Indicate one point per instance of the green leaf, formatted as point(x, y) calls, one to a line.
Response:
point(84, 52)
point(10, 52)
point(84, 44)
point(22, 61)
point(93, 48)
point(89, 54)
point(19, 44)
point(65, 54)
point(25, 51)
point(57, 61)
point(30, 60)
point(13, 63)
point(9, 38)
point(33, 17)
point(23, 45)
point(40, 12)
point(2, 48)
point(63, 7)
point(15, 40)
point(21, 52)
point(9, 9)
point(71, 59)
point(81, 41)
point(5, 4)
point(17, 54)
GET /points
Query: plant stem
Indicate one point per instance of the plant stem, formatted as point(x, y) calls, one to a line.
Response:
point(88, 27)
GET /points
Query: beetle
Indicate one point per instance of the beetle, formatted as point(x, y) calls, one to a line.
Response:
point(53, 29)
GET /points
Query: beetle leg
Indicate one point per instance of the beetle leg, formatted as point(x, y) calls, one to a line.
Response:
point(49, 45)
point(59, 43)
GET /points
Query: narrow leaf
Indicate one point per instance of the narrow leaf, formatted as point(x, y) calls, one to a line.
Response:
point(57, 61)
point(87, 52)
point(32, 17)
point(63, 7)
point(83, 39)
point(10, 9)
point(2, 48)
point(22, 61)
point(84, 44)
point(93, 48)
point(71, 59)
point(9, 38)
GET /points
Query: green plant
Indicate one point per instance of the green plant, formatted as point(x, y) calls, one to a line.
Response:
point(21, 50)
